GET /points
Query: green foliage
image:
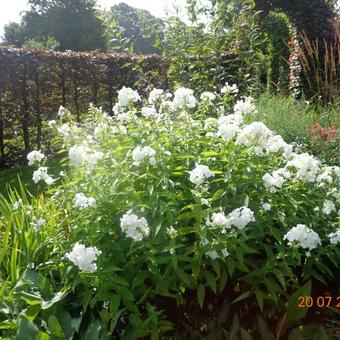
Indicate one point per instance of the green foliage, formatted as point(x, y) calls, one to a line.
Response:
point(140, 29)
point(72, 23)
point(185, 269)
point(46, 44)
point(275, 27)
point(293, 119)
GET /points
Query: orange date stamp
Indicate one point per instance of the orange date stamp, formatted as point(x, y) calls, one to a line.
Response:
point(318, 301)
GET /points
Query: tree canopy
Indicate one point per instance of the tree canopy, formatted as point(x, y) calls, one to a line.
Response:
point(72, 23)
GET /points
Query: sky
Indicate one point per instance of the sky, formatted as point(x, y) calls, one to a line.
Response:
point(10, 9)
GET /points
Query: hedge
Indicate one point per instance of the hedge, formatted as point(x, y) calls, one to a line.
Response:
point(33, 84)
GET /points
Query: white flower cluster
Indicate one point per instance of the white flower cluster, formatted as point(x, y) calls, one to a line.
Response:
point(307, 166)
point(199, 174)
point(84, 258)
point(171, 231)
point(255, 134)
point(155, 95)
point(126, 95)
point(41, 175)
point(134, 227)
point(229, 126)
point(80, 154)
point(149, 112)
point(303, 236)
point(140, 154)
point(245, 106)
point(208, 96)
point(82, 202)
point(239, 218)
point(229, 89)
point(184, 98)
point(328, 207)
point(334, 238)
point(276, 179)
point(276, 143)
point(35, 157)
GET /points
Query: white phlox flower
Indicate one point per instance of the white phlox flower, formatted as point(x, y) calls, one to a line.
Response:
point(140, 154)
point(245, 107)
point(82, 202)
point(35, 157)
point(41, 175)
point(208, 96)
point(307, 166)
point(84, 258)
point(134, 227)
point(154, 96)
point(199, 174)
point(241, 217)
point(276, 179)
point(184, 98)
point(328, 207)
point(230, 89)
point(334, 238)
point(126, 95)
point(303, 236)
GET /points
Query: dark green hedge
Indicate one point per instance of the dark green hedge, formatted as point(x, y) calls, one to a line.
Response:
point(33, 84)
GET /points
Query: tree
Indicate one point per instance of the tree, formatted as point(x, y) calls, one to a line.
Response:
point(14, 34)
point(72, 23)
point(140, 27)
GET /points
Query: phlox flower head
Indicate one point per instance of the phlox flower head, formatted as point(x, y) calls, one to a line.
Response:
point(334, 238)
point(303, 236)
point(255, 134)
point(82, 202)
point(62, 111)
point(84, 258)
point(328, 207)
point(220, 220)
point(277, 144)
point(149, 112)
point(80, 154)
point(35, 157)
point(276, 179)
point(227, 131)
point(229, 89)
point(245, 107)
point(266, 206)
point(171, 231)
point(240, 217)
point(126, 95)
point(199, 174)
point(184, 98)
point(234, 119)
point(140, 154)
point(41, 175)
point(307, 166)
point(134, 227)
point(154, 96)
point(208, 96)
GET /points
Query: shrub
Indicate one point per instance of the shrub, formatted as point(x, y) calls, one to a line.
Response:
point(167, 209)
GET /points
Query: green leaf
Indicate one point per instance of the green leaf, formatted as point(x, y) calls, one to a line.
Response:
point(308, 332)
point(295, 313)
point(201, 295)
point(211, 281)
point(230, 265)
point(54, 327)
point(242, 296)
point(264, 330)
point(235, 327)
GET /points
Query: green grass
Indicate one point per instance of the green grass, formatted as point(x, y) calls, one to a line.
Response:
point(292, 118)
point(10, 177)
